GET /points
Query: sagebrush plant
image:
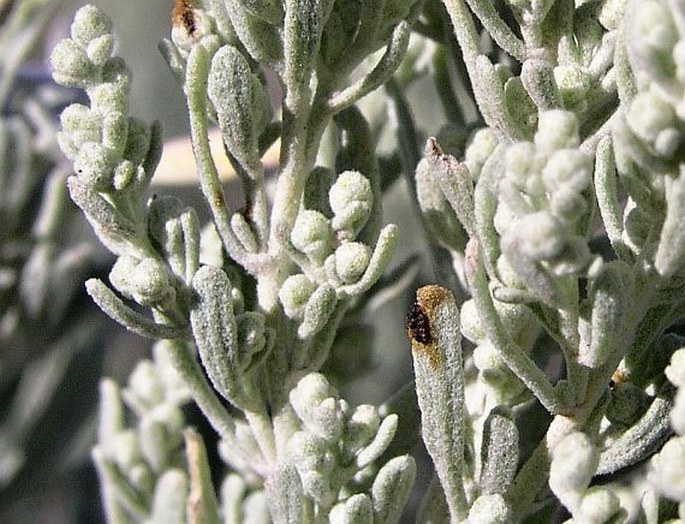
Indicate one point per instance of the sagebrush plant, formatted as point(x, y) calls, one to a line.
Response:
point(553, 198)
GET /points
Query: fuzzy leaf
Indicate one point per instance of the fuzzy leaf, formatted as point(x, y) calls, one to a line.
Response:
point(286, 498)
point(499, 452)
point(670, 255)
point(381, 441)
point(168, 503)
point(215, 332)
point(111, 304)
point(642, 439)
point(391, 489)
point(113, 230)
point(433, 326)
point(240, 101)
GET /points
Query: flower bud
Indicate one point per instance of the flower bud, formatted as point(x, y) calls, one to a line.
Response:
point(678, 413)
point(557, 129)
point(569, 169)
point(490, 509)
point(361, 427)
point(71, 66)
point(314, 462)
point(89, 24)
point(312, 235)
point(145, 281)
point(666, 469)
point(599, 505)
point(539, 235)
point(573, 84)
point(95, 165)
point(316, 404)
point(294, 294)
point(482, 145)
point(79, 125)
point(99, 50)
point(648, 115)
point(351, 260)
point(675, 371)
point(521, 168)
point(574, 462)
point(470, 323)
point(251, 334)
point(351, 200)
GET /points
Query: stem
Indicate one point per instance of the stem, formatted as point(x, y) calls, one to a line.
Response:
point(465, 31)
point(607, 201)
point(202, 393)
point(196, 89)
point(512, 355)
point(121, 501)
point(487, 85)
point(576, 374)
point(299, 145)
point(295, 166)
point(263, 432)
point(500, 32)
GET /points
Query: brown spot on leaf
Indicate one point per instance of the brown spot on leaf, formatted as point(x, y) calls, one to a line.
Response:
point(418, 325)
point(419, 322)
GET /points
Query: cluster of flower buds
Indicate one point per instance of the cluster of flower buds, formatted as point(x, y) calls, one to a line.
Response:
point(544, 208)
point(574, 463)
point(335, 451)
point(666, 467)
point(143, 465)
point(334, 264)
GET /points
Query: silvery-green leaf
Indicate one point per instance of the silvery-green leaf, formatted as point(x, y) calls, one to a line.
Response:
point(499, 452)
point(111, 304)
point(285, 495)
point(391, 489)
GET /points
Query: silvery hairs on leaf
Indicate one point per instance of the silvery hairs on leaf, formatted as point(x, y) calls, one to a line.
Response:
point(433, 328)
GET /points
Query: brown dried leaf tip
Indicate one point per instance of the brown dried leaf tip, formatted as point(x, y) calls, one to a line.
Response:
point(419, 322)
point(183, 16)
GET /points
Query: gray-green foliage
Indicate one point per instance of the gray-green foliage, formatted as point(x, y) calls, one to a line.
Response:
point(563, 222)
point(574, 249)
point(261, 323)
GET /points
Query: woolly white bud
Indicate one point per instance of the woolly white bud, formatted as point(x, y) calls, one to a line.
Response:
point(294, 294)
point(569, 169)
point(483, 143)
point(649, 114)
point(312, 235)
point(557, 129)
point(666, 469)
point(599, 505)
point(574, 462)
point(351, 200)
point(521, 168)
point(539, 236)
point(351, 260)
point(490, 509)
point(675, 371)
